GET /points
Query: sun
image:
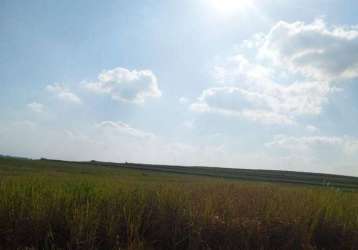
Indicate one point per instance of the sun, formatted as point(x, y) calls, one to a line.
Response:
point(230, 6)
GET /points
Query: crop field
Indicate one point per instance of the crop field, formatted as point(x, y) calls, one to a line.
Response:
point(92, 205)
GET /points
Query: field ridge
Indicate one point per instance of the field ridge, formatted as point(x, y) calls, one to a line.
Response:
point(294, 177)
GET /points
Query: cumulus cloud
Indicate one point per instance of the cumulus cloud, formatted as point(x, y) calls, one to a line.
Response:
point(124, 85)
point(292, 72)
point(36, 107)
point(266, 117)
point(63, 93)
point(314, 49)
point(234, 101)
point(281, 104)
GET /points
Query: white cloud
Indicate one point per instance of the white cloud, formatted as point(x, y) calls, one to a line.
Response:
point(237, 69)
point(268, 118)
point(273, 105)
point(63, 93)
point(125, 85)
point(291, 72)
point(314, 49)
point(36, 107)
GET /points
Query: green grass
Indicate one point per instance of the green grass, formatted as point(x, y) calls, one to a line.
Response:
point(59, 205)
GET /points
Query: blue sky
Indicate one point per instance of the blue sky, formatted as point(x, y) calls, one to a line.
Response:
point(247, 84)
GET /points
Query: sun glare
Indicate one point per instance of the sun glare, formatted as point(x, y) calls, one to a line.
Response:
point(230, 6)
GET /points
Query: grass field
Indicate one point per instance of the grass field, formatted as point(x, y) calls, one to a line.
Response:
point(92, 205)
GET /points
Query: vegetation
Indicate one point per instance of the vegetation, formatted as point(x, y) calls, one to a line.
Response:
point(67, 205)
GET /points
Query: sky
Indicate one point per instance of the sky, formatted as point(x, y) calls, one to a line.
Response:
point(253, 84)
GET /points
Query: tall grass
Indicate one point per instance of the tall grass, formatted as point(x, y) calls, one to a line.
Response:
point(89, 212)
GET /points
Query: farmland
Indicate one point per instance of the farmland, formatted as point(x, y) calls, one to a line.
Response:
point(47, 204)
